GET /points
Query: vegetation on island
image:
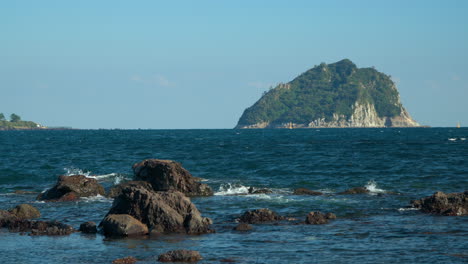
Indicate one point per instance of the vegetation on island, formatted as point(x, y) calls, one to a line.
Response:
point(323, 91)
point(15, 122)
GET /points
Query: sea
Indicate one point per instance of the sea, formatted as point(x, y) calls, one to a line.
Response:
point(397, 165)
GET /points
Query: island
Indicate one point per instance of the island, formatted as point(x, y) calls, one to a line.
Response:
point(336, 95)
point(15, 123)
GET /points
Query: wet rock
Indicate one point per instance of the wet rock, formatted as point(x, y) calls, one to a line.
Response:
point(24, 192)
point(168, 175)
point(25, 211)
point(253, 190)
point(117, 189)
point(304, 191)
point(117, 225)
point(40, 228)
point(356, 190)
point(6, 218)
point(450, 204)
point(180, 255)
point(243, 227)
point(88, 228)
point(163, 212)
point(318, 218)
point(260, 216)
point(70, 188)
point(126, 260)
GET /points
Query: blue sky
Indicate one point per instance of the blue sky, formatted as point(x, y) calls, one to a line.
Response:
point(199, 64)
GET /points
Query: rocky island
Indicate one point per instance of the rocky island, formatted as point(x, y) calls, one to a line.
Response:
point(330, 95)
point(15, 123)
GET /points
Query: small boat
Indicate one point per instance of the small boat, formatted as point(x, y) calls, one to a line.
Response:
point(458, 125)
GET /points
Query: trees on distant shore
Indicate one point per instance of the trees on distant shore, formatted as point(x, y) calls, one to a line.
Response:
point(2, 117)
point(15, 118)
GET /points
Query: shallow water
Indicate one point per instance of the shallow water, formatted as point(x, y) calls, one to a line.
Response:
point(397, 165)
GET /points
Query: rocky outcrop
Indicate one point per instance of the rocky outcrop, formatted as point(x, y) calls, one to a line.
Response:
point(88, 228)
point(180, 255)
point(451, 204)
point(319, 218)
point(71, 188)
point(25, 211)
point(243, 227)
point(117, 189)
point(126, 260)
point(168, 175)
point(304, 191)
point(356, 190)
point(163, 212)
point(38, 228)
point(118, 225)
point(6, 218)
point(260, 216)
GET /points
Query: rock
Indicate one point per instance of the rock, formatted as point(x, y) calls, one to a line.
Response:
point(39, 228)
point(24, 192)
point(168, 175)
point(25, 211)
point(304, 191)
point(163, 212)
point(6, 218)
point(117, 225)
point(260, 216)
point(318, 218)
point(451, 204)
point(180, 255)
point(126, 260)
point(88, 228)
point(356, 190)
point(117, 189)
point(243, 227)
point(253, 190)
point(70, 188)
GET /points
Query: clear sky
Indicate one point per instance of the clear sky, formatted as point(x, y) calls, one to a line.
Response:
point(199, 64)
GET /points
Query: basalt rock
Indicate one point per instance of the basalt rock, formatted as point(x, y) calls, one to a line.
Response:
point(25, 211)
point(304, 191)
point(162, 212)
point(319, 218)
point(117, 225)
point(88, 228)
point(70, 188)
point(117, 189)
point(260, 216)
point(180, 255)
point(356, 190)
point(450, 204)
point(168, 175)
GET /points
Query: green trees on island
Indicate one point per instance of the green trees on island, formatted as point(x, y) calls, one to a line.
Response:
point(16, 123)
point(15, 118)
point(323, 91)
point(2, 117)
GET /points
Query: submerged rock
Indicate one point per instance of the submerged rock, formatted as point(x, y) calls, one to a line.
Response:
point(304, 191)
point(25, 211)
point(243, 227)
point(70, 188)
point(180, 255)
point(163, 212)
point(168, 175)
point(253, 190)
point(356, 190)
point(88, 228)
point(116, 225)
point(260, 216)
point(126, 260)
point(39, 228)
point(318, 218)
point(451, 204)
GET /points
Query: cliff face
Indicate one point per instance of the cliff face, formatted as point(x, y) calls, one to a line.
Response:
point(336, 95)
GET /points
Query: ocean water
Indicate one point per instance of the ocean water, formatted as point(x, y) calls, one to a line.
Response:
point(396, 165)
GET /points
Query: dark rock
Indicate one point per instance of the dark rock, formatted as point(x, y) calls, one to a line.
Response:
point(253, 190)
point(6, 218)
point(24, 192)
point(126, 260)
point(117, 189)
point(318, 218)
point(260, 216)
point(243, 227)
point(70, 188)
point(450, 204)
point(163, 212)
point(180, 255)
point(304, 191)
point(39, 228)
point(88, 228)
point(168, 175)
point(356, 190)
point(117, 225)
point(25, 211)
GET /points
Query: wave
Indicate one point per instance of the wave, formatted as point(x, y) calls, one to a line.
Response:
point(371, 186)
point(232, 189)
point(97, 198)
point(117, 177)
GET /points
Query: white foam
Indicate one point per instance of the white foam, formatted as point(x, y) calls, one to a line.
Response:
point(463, 139)
point(452, 139)
point(97, 198)
point(407, 209)
point(371, 186)
point(76, 171)
point(232, 189)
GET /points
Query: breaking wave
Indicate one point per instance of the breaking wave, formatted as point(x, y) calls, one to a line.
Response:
point(232, 189)
point(371, 186)
point(116, 177)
